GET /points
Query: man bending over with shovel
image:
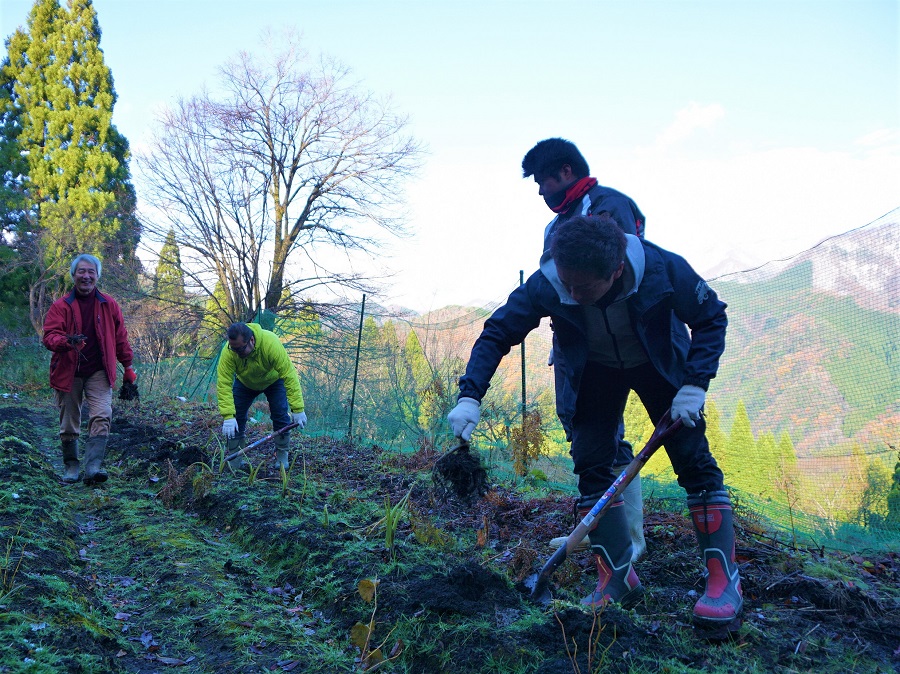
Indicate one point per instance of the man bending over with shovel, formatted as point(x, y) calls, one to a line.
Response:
point(621, 308)
point(255, 362)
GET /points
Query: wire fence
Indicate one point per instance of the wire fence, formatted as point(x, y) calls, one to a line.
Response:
point(802, 417)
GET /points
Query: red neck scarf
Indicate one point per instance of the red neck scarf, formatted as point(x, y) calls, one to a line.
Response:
point(574, 193)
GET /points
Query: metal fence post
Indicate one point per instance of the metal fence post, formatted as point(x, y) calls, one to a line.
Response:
point(362, 314)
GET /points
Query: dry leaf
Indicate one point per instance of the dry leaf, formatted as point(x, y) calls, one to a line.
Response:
point(366, 589)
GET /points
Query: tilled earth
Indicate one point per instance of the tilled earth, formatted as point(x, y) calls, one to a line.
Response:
point(106, 577)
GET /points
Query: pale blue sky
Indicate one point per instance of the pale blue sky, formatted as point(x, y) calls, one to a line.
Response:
point(742, 128)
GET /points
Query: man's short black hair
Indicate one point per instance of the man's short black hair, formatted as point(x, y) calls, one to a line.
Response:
point(549, 156)
point(236, 330)
point(593, 243)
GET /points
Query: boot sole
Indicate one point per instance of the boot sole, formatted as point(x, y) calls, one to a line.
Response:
point(99, 478)
point(630, 599)
point(716, 632)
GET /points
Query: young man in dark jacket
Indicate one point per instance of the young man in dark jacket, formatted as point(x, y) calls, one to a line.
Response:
point(86, 333)
point(623, 309)
point(563, 178)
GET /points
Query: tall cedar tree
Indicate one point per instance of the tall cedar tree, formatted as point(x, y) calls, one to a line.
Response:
point(168, 283)
point(77, 190)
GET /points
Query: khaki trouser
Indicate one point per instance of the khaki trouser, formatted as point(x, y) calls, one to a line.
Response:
point(98, 394)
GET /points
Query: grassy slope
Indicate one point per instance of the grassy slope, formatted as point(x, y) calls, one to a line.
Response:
point(157, 568)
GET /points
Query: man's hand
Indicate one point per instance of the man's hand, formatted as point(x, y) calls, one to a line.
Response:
point(130, 376)
point(299, 418)
point(464, 417)
point(229, 428)
point(75, 340)
point(687, 404)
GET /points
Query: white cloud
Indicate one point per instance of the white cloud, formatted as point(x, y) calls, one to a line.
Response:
point(689, 119)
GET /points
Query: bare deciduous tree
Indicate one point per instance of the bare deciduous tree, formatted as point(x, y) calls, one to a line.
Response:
point(291, 161)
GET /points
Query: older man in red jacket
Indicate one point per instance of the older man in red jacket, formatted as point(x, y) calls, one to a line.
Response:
point(86, 333)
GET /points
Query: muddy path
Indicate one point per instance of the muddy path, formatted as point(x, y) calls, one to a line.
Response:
point(172, 565)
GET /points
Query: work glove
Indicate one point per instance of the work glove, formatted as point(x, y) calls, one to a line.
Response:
point(299, 418)
point(229, 428)
point(687, 404)
point(464, 417)
point(75, 340)
point(130, 376)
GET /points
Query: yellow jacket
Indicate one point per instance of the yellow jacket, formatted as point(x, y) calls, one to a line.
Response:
point(268, 363)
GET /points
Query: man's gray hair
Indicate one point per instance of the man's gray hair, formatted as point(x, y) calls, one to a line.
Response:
point(84, 257)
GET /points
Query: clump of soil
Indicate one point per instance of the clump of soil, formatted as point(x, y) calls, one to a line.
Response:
point(460, 472)
point(129, 391)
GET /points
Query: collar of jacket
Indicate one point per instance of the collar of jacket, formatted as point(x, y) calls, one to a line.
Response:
point(71, 296)
point(635, 263)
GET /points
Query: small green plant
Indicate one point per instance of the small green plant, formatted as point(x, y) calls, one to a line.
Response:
point(8, 574)
point(361, 633)
point(285, 480)
point(390, 521)
point(325, 516)
point(254, 472)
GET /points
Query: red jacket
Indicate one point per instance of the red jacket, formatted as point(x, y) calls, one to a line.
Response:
point(64, 318)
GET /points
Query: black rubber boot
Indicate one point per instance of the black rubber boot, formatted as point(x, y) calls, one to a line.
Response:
point(722, 601)
point(612, 551)
point(70, 459)
point(94, 454)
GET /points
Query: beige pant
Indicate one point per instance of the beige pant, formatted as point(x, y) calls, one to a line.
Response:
point(98, 394)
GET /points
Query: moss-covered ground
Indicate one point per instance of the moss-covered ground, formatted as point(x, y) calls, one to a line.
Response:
point(355, 561)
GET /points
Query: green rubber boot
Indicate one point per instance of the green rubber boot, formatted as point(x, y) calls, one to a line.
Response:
point(282, 445)
point(94, 454)
point(238, 463)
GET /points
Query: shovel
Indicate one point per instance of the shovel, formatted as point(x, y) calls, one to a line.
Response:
point(539, 584)
point(259, 442)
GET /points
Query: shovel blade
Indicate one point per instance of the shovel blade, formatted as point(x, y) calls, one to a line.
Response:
point(540, 589)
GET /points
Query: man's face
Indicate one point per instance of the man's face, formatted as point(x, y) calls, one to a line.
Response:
point(553, 186)
point(586, 287)
point(85, 278)
point(242, 348)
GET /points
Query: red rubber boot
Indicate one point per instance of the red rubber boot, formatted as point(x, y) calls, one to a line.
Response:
point(713, 521)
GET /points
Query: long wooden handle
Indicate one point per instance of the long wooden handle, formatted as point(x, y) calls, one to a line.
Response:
point(259, 442)
point(664, 430)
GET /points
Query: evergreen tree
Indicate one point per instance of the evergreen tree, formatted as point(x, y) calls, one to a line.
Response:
point(766, 468)
point(787, 455)
point(741, 445)
point(168, 283)
point(893, 499)
point(78, 180)
point(716, 436)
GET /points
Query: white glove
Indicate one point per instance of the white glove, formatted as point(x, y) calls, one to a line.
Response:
point(299, 418)
point(464, 417)
point(687, 404)
point(229, 428)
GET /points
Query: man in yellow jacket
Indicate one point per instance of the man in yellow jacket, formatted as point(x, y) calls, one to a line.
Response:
point(255, 362)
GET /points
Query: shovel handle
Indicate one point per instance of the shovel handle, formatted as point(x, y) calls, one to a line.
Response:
point(665, 429)
point(262, 440)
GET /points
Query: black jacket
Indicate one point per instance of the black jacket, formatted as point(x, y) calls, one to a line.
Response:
point(664, 296)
